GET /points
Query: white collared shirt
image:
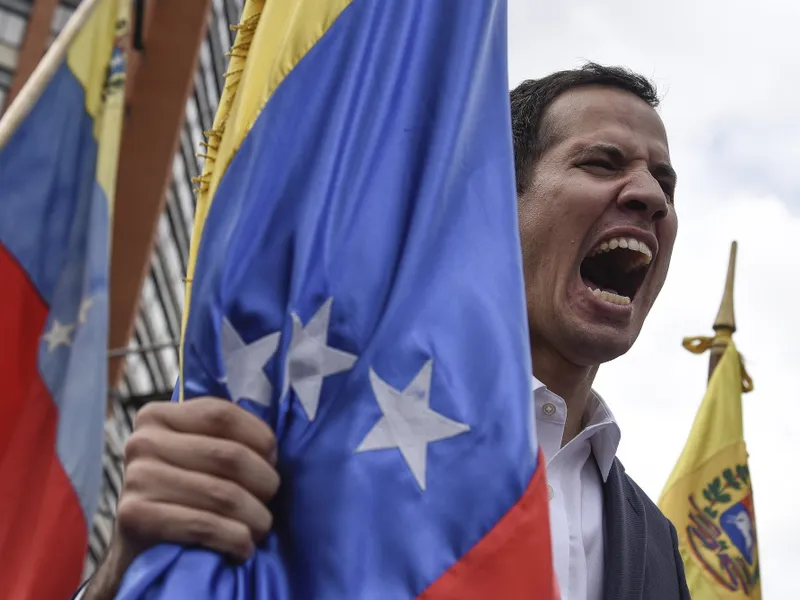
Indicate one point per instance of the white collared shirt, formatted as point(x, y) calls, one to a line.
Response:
point(575, 476)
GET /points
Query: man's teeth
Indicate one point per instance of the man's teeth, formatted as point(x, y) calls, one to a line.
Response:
point(610, 296)
point(629, 243)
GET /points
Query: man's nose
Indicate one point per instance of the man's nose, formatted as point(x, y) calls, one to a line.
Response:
point(644, 194)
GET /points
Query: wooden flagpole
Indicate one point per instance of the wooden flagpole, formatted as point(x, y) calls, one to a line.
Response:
point(44, 71)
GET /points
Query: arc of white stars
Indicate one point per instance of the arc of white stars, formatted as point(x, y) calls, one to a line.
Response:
point(244, 364)
point(408, 422)
point(59, 335)
point(310, 359)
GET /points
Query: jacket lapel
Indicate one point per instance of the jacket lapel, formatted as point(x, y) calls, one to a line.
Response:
point(625, 537)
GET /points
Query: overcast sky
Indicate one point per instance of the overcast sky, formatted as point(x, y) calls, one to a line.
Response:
point(730, 74)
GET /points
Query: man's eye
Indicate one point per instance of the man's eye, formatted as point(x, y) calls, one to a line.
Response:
point(600, 164)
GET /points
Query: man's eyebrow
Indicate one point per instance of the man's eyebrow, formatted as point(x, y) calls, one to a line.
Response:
point(613, 152)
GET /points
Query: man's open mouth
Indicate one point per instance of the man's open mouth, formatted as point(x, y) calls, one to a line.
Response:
point(615, 269)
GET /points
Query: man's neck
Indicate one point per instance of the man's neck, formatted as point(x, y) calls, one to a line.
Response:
point(572, 382)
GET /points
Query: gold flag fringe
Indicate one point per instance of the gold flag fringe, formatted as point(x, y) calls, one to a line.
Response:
point(238, 53)
point(245, 31)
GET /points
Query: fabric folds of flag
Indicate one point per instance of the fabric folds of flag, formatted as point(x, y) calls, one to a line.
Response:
point(709, 496)
point(57, 179)
point(358, 285)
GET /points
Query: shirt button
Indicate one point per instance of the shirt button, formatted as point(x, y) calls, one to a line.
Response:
point(549, 409)
point(550, 492)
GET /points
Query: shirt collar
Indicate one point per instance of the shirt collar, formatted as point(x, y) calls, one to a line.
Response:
point(605, 442)
point(537, 384)
point(600, 427)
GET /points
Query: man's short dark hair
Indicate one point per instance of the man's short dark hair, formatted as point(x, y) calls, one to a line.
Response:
point(530, 99)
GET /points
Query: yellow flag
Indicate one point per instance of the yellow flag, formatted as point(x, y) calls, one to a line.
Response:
point(709, 496)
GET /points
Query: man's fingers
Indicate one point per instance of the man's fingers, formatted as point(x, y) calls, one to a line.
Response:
point(213, 456)
point(212, 417)
point(156, 482)
point(182, 525)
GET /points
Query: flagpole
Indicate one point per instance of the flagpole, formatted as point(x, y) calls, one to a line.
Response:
point(44, 71)
point(725, 323)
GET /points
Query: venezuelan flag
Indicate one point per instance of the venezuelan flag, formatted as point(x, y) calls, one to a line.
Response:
point(57, 180)
point(709, 496)
point(356, 282)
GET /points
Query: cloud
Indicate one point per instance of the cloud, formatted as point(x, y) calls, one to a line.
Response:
point(727, 70)
point(760, 157)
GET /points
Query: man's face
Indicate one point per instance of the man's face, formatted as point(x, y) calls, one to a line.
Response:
point(597, 224)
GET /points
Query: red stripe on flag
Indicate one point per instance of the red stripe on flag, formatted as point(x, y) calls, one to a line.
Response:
point(513, 561)
point(43, 533)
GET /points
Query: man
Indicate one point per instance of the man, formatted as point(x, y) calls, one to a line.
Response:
point(598, 224)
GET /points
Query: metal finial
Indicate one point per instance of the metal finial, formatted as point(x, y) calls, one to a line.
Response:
point(725, 318)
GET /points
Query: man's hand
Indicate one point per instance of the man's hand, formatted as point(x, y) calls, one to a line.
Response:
point(198, 473)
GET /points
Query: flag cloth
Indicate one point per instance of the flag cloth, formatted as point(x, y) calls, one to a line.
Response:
point(709, 496)
point(358, 285)
point(57, 180)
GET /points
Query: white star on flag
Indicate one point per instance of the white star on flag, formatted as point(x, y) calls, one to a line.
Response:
point(85, 306)
point(58, 335)
point(310, 359)
point(244, 364)
point(408, 423)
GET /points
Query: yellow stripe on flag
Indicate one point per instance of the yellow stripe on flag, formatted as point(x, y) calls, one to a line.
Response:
point(88, 55)
point(709, 495)
point(271, 39)
point(99, 43)
point(108, 124)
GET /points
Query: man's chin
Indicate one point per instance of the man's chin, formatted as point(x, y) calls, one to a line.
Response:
point(592, 344)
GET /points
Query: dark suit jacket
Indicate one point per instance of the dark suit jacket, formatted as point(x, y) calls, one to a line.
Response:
point(641, 547)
